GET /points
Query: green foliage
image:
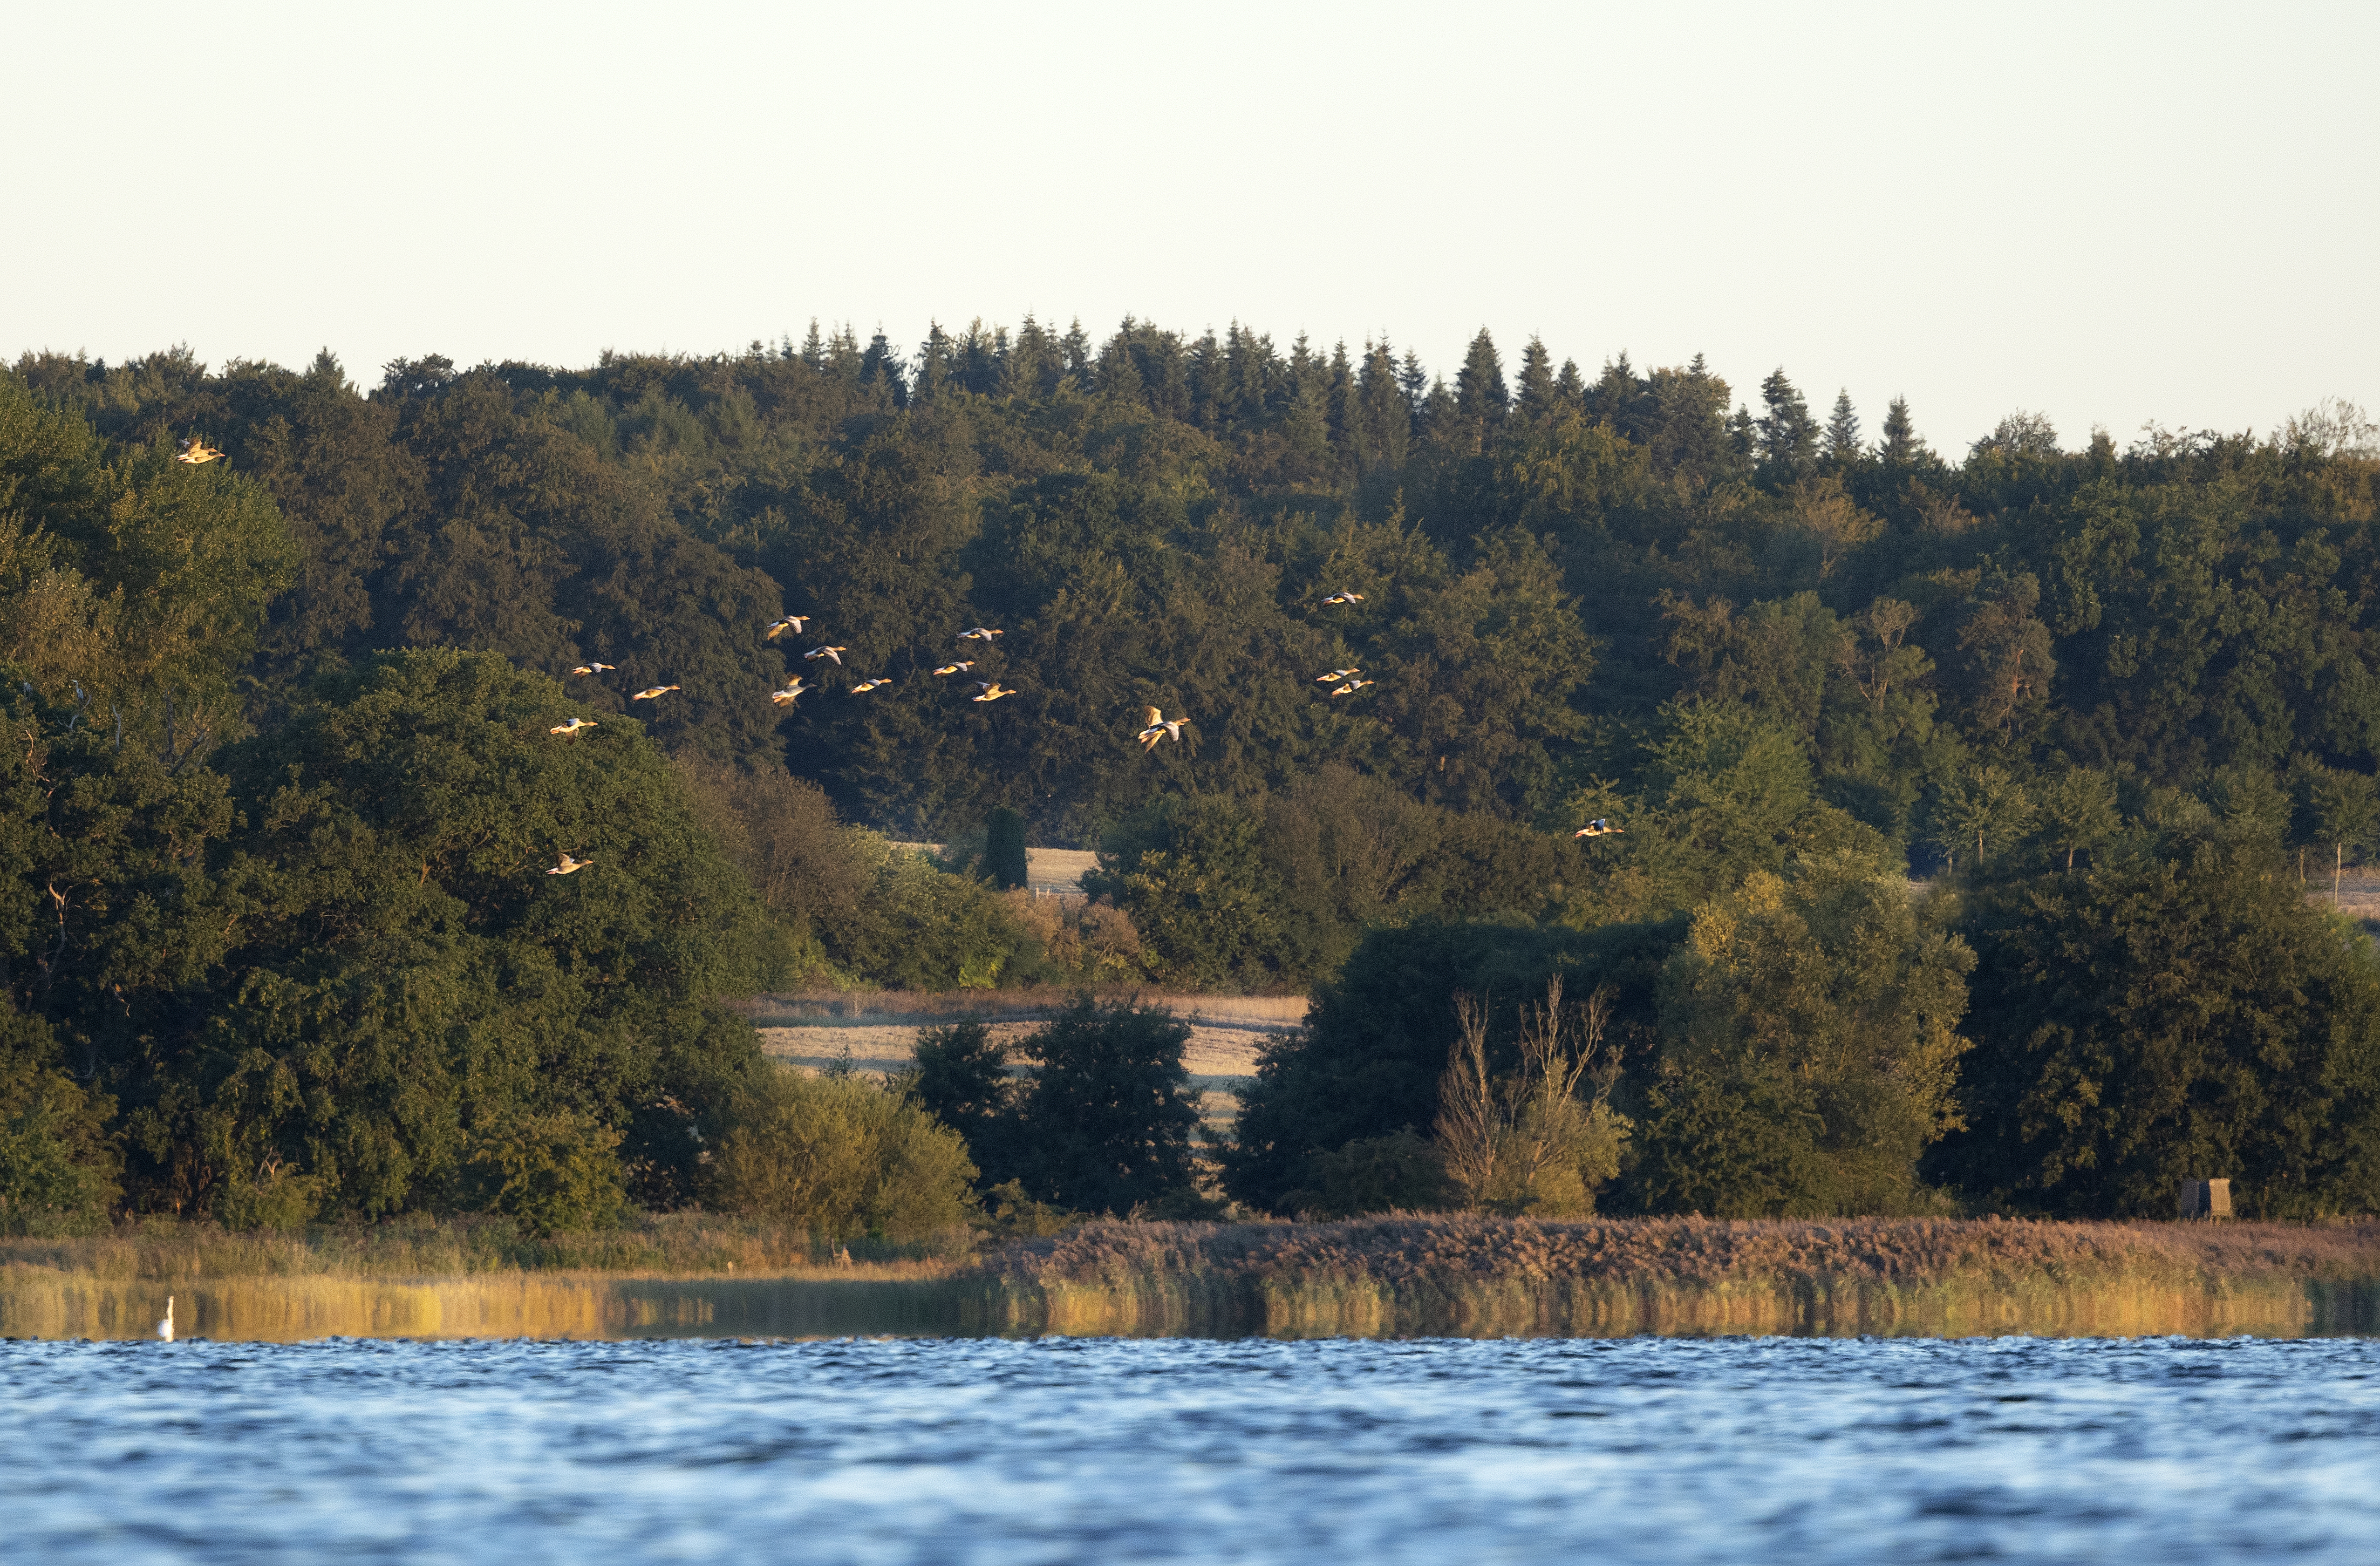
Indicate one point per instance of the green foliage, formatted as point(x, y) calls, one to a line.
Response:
point(409, 981)
point(838, 1157)
point(549, 1172)
point(59, 1165)
point(1403, 1172)
point(2171, 1010)
point(963, 1080)
point(1004, 849)
point(1108, 1122)
point(1809, 1051)
point(1376, 1040)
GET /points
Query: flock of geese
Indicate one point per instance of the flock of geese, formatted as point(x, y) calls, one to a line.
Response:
point(1154, 729)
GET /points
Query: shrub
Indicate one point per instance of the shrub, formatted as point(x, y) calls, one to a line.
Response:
point(551, 1172)
point(57, 1166)
point(840, 1157)
point(1403, 1172)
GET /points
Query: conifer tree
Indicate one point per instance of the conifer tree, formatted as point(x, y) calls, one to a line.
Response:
point(814, 347)
point(1788, 431)
point(1480, 392)
point(1536, 402)
point(1901, 445)
point(1844, 429)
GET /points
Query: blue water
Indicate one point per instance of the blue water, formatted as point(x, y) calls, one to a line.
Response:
point(1106, 1451)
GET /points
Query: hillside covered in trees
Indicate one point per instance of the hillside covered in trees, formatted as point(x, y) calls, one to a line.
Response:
point(1792, 658)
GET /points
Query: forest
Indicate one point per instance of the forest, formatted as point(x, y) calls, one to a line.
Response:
point(282, 790)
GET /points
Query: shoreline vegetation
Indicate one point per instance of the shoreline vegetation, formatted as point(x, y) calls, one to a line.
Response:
point(1449, 1275)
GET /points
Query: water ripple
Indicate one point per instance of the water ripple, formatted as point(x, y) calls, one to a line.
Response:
point(982, 1450)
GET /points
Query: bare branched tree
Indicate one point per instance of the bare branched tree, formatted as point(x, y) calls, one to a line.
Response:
point(1500, 1134)
point(1470, 1119)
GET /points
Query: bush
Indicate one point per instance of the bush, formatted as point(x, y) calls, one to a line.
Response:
point(841, 1158)
point(1403, 1172)
point(58, 1165)
point(549, 1172)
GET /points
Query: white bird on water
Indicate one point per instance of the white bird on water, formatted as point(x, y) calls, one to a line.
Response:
point(166, 1328)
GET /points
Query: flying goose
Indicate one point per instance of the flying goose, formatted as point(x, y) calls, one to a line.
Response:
point(651, 691)
point(791, 694)
point(980, 634)
point(835, 652)
point(992, 691)
point(1352, 686)
point(1336, 675)
point(570, 730)
point(864, 687)
point(195, 450)
point(594, 668)
point(1595, 828)
point(569, 865)
point(1156, 727)
point(793, 623)
point(961, 667)
point(1344, 597)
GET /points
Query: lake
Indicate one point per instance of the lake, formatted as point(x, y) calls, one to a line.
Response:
point(993, 1450)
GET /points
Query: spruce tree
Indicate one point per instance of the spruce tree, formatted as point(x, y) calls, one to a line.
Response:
point(1901, 445)
point(1536, 381)
point(1789, 432)
point(1844, 429)
point(1479, 394)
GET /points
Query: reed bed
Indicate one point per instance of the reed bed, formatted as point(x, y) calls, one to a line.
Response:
point(1445, 1275)
point(1473, 1276)
point(664, 1245)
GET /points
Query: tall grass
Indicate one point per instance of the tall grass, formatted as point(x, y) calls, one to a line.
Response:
point(1473, 1276)
point(1458, 1275)
point(660, 1245)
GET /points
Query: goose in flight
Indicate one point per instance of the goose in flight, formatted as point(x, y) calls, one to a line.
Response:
point(864, 687)
point(835, 652)
point(1336, 675)
point(793, 623)
point(651, 691)
point(980, 634)
point(1344, 597)
point(791, 694)
point(1156, 728)
point(569, 865)
point(570, 730)
point(961, 667)
point(594, 668)
point(1595, 828)
point(1352, 686)
point(993, 690)
point(195, 450)
point(166, 1328)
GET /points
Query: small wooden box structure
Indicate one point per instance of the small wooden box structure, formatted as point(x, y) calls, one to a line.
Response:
point(2205, 1200)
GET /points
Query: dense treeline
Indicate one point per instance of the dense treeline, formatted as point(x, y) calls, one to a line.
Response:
point(1791, 662)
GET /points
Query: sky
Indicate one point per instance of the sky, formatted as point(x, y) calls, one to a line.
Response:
point(2106, 213)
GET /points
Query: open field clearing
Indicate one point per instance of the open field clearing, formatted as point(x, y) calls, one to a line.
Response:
point(876, 1032)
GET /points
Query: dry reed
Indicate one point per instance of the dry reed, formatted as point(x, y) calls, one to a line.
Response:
point(1450, 1275)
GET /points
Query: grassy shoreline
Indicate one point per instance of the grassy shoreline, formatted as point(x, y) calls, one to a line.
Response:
point(1451, 1275)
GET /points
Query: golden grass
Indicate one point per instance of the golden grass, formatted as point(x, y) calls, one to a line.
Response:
point(664, 1245)
point(1451, 1275)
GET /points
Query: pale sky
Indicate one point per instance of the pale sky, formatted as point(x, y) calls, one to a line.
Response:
point(2106, 213)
